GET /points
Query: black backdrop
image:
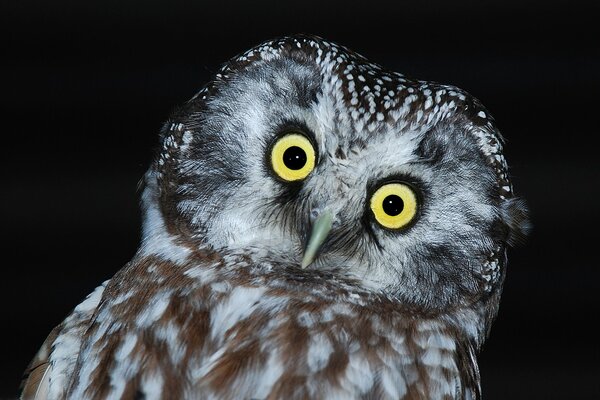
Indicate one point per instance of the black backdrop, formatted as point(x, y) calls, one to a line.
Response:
point(86, 85)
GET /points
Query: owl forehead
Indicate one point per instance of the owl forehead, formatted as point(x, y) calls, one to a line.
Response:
point(364, 92)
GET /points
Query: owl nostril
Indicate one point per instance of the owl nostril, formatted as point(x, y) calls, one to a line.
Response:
point(317, 211)
point(314, 214)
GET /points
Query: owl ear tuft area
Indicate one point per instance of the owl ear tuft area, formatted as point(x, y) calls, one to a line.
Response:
point(515, 216)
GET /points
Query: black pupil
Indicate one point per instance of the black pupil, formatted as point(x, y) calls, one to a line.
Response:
point(294, 158)
point(393, 205)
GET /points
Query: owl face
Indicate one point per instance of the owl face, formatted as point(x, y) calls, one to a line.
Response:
point(300, 147)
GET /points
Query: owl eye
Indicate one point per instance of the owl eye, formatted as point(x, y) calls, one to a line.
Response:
point(292, 157)
point(394, 205)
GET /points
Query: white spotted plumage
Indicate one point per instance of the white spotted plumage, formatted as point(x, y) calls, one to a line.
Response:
point(215, 304)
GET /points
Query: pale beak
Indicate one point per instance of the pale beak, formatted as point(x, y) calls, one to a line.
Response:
point(319, 233)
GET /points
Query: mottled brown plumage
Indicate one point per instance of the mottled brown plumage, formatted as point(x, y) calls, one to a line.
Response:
point(349, 318)
point(219, 301)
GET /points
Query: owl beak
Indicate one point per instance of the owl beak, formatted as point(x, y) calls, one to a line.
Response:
point(320, 230)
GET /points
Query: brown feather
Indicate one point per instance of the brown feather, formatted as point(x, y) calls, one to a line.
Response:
point(33, 385)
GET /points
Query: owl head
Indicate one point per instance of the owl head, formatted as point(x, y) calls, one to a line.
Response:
point(301, 154)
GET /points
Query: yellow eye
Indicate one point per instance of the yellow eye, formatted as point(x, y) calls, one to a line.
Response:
point(292, 157)
point(394, 205)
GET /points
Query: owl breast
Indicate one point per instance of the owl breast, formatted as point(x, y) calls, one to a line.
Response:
point(176, 330)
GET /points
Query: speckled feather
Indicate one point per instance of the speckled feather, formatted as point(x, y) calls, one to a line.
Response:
point(214, 304)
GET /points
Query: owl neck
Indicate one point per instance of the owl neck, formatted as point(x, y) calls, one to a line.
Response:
point(157, 238)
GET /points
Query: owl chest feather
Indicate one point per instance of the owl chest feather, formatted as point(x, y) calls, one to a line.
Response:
point(167, 331)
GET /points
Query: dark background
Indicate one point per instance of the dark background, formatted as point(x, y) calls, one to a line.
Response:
point(85, 87)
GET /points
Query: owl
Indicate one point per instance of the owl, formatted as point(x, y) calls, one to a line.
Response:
point(314, 226)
